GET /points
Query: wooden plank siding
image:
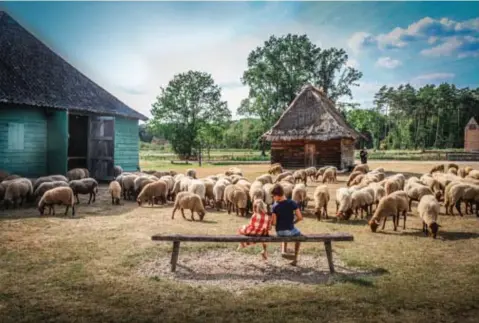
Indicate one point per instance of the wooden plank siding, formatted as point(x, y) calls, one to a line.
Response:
point(127, 144)
point(31, 159)
point(57, 142)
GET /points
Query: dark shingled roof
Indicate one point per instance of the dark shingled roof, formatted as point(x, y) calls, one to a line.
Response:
point(32, 74)
point(311, 116)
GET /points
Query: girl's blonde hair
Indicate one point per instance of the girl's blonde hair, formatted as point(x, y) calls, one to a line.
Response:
point(259, 206)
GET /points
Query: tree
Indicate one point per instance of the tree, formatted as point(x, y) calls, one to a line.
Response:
point(189, 104)
point(144, 133)
point(283, 65)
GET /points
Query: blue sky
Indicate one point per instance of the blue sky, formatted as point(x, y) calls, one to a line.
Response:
point(131, 49)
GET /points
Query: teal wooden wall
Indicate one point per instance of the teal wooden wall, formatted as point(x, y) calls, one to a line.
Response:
point(28, 156)
point(57, 142)
point(126, 144)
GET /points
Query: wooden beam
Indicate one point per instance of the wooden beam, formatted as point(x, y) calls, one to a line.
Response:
point(329, 255)
point(239, 238)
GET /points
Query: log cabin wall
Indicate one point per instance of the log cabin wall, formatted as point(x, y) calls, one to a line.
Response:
point(347, 153)
point(328, 153)
point(289, 153)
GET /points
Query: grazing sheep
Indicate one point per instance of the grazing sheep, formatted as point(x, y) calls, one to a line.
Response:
point(375, 176)
point(379, 170)
point(391, 186)
point(468, 169)
point(300, 175)
point(391, 205)
point(189, 201)
point(343, 203)
point(234, 171)
point(321, 171)
point(275, 169)
point(117, 171)
point(235, 179)
point(191, 173)
point(60, 196)
point(357, 180)
point(364, 168)
point(209, 194)
point(268, 198)
point(288, 189)
point(42, 188)
point(321, 200)
point(20, 189)
point(454, 195)
point(198, 187)
point(462, 172)
point(281, 176)
point(416, 191)
point(411, 181)
point(437, 168)
point(256, 191)
point(289, 179)
point(153, 193)
point(77, 173)
point(474, 174)
point(170, 182)
point(300, 196)
point(51, 178)
point(379, 192)
point(265, 179)
point(115, 191)
point(428, 209)
point(362, 199)
point(311, 172)
point(452, 166)
point(352, 176)
point(218, 191)
point(452, 171)
point(127, 185)
point(140, 182)
point(159, 174)
point(84, 186)
point(329, 176)
point(236, 199)
point(433, 184)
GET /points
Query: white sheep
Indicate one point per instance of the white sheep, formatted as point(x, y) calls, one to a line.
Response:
point(115, 191)
point(343, 203)
point(428, 209)
point(393, 205)
point(189, 201)
point(321, 200)
point(300, 196)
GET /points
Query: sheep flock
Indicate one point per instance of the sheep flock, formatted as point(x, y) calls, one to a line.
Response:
point(367, 194)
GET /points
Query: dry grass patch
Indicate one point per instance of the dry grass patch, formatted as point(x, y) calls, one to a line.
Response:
point(94, 268)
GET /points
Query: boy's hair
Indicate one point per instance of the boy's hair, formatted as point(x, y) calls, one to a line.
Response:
point(277, 190)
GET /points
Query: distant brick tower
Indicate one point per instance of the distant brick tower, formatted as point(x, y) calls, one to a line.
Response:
point(471, 136)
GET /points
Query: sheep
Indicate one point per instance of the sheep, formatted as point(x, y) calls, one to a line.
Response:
point(411, 181)
point(364, 168)
point(474, 174)
point(416, 191)
point(462, 172)
point(117, 171)
point(455, 193)
point(437, 168)
point(391, 186)
point(265, 179)
point(321, 200)
point(268, 198)
point(357, 180)
point(428, 209)
point(236, 179)
point(170, 182)
point(236, 199)
point(178, 177)
point(329, 176)
point(343, 203)
point(218, 191)
point(127, 185)
point(11, 177)
point(452, 166)
point(311, 172)
point(471, 197)
point(209, 194)
point(299, 195)
point(51, 178)
point(375, 176)
point(352, 176)
point(198, 187)
point(452, 171)
point(160, 174)
point(288, 189)
point(433, 184)
point(275, 169)
point(115, 191)
point(191, 173)
point(379, 170)
point(77, 173)
point(234, 171)
point(300, 175)
point(400, 179)
point(189, 201)
point(379, 192)
point(391, 205)
point(468, 169)
point(362, 199)
point(289, 179)
point(58, 195)
point(256, 191)
point(17, 189)
point(140, 182)
point(321, 171)
point(245, 186)
point(282, 175)
point(42, 188)
point(153, 193)
point(84, 186)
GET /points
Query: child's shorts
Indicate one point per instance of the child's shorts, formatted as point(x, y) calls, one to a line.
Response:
point(288, 233)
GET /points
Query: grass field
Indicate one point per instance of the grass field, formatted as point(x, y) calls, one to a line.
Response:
point(89, 268)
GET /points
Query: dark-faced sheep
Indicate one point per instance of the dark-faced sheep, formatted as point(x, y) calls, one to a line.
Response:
point(117, 171)
point(42, 188)
point(57, 196)
point(85, 186)
point(17, 191)
point(51, 178)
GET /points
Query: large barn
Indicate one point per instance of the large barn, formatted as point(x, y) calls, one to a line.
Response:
point(53, 118)
point(311, 132)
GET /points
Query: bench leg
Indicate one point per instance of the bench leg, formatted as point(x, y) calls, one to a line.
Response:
point(329, 254)
point(174, 255)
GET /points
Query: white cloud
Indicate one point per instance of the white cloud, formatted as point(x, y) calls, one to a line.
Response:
point(361, 40)
point(431, 78)
point(461, 46)
point(352, 62)
point(388, 62)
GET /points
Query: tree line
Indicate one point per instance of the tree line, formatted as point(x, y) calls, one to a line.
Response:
point(191, 114)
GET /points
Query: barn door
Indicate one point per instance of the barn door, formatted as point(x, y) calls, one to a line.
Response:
point(101, 147)
point(310, 151)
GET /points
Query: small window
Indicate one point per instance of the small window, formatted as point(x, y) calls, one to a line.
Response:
point(16, 136)
point(472, 127)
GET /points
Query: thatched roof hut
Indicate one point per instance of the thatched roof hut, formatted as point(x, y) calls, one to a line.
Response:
point(311, 132)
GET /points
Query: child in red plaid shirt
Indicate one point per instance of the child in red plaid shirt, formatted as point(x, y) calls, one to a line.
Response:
point(259, 225)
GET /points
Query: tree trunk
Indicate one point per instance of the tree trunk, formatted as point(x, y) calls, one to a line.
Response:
point(436, 140)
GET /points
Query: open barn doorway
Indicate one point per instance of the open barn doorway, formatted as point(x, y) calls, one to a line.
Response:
point(77, 141)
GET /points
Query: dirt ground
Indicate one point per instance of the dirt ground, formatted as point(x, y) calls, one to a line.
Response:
point(102, 262)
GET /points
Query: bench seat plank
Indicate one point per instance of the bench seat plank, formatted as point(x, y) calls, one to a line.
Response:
point(239, 238)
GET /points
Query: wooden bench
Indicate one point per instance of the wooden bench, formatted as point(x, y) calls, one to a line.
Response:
point(327, 238)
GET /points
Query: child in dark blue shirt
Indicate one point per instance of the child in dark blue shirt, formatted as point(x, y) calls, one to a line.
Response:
point(283, 218)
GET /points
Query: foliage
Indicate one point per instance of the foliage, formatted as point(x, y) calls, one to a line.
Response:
point(144, 133)
point(188, 110)
point(244, 133)
point(367, 121)
point(431, 116)
point(283, 65)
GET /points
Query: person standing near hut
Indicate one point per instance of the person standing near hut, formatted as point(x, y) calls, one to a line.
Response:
point(363, 154)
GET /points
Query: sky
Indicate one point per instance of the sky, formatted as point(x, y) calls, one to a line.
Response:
point(133, 48)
